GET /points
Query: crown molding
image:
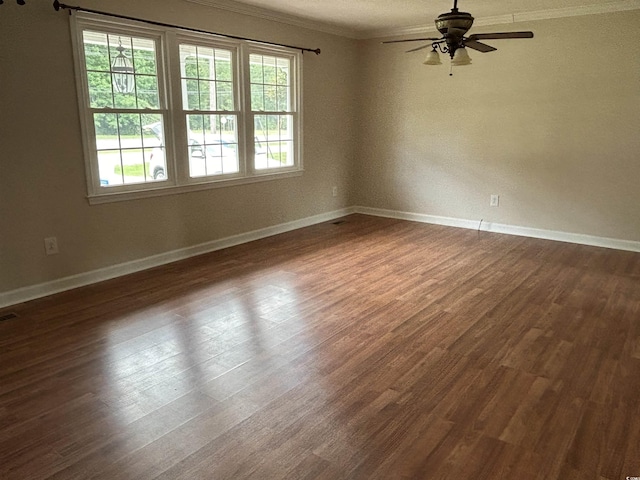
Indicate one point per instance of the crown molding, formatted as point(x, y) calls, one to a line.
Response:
point(609, 7)
point(612, 7)
point(274, 16)
point(280, 17)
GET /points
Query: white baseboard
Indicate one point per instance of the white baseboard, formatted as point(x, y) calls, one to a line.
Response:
point(578, 238)
point(32, 292)
point(67, 283)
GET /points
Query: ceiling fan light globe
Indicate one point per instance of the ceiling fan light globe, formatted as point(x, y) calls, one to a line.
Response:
point(461, 58)
point(433, 58)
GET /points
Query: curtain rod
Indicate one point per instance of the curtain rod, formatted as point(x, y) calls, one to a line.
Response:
point(57, 5)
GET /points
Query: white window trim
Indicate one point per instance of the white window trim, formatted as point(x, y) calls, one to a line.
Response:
point(169, 85)
point(296, 61)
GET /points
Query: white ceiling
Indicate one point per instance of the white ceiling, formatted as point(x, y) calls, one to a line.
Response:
point(378, 18)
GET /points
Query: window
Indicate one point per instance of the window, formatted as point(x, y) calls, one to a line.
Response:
point(120, 105)
point(272, 110)
point(210, 107)
point(166, 110)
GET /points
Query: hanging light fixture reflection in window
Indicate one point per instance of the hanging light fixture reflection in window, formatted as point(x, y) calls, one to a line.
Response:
point(122, 71)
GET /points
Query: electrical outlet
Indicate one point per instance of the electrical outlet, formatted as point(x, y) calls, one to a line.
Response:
point(51, 245)
point(334, 191)
point(494, 201)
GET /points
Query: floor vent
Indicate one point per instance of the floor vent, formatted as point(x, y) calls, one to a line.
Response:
point(8, 316)
point(339, 222)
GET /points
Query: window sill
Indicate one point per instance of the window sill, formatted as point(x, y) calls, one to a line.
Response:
point(98, 199)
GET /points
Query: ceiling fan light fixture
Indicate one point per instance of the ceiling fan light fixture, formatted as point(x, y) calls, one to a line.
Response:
point(460, 57)
point(453, 26)
point(433, 58)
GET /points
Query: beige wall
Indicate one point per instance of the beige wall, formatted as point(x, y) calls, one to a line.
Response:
point(42, 178)
point(551, 124)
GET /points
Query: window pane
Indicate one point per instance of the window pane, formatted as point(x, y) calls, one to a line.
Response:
point(144, 56)
point(207, 95)
point(189, 64)
point(147, 92)
point(283, 71)
point(224, 95)
point(205, 63)
point(269, 70)
point(119, 44)
point(130, 130)
point(286, 153)
point(96, 53)
point(273, 141)
point(100, 94)
point(223, 66)
point(109, 162)
point(155, 160)
point(213, 145)
point(270, 98)
point(122, 70)
point(255, 68)
point(122, 78)
point(152, 130)
point(106, 130)
point(257, 98)
point(282, 99)
point(196, 125)
point(190, 96)
point(124, 99)
point(133, 168)
point(285, 127)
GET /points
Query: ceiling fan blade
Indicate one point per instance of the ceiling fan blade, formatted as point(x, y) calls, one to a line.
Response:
point(414, 40)
point(419, 48)
point(497, 36)
point(481, 47)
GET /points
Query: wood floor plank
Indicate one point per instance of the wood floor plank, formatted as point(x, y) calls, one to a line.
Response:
point(370, 348)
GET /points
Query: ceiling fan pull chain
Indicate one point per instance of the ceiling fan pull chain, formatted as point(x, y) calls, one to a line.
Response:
point(451, 70)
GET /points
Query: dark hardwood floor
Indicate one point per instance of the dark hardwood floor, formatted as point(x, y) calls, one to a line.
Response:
point(369, 349)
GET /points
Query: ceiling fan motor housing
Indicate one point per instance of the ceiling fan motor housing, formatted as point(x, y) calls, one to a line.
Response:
point(454, 19)
point(453, 25)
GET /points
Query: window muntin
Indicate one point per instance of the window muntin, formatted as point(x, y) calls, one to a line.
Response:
point(198, 112)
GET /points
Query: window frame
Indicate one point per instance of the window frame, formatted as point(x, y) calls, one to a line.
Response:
point(181, 112)
point(174, 113)
point(295, 93)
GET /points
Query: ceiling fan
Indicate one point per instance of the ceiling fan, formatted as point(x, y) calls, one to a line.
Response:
point(453, 26)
